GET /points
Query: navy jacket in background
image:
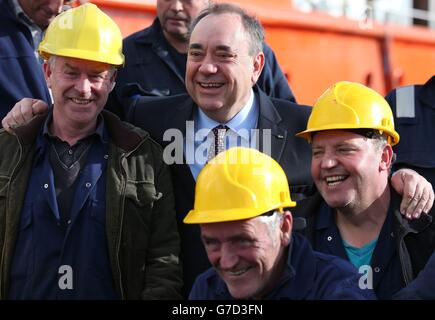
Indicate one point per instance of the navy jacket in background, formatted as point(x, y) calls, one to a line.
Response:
point(148, 63)
point(20, 72)
point(414, 117)
point(309, 275)
point(423, 287)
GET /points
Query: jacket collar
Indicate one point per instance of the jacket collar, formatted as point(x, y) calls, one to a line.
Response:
point(324, 214)
point(122, 134)
point(154, 36)
point(151, 34)
point(270, 119)
point(408, 226)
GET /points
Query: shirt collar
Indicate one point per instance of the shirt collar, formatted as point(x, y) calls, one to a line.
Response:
point(246, 118)
point(99, 130)
point(325, 217)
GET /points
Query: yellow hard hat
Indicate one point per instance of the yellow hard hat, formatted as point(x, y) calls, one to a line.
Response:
point(349, 105)
point(239, 183)
point(84, 32)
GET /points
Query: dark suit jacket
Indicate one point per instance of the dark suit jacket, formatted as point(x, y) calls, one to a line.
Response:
point(285, 119)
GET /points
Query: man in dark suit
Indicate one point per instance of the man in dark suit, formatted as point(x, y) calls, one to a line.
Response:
point(282, 117)
point(225, 59)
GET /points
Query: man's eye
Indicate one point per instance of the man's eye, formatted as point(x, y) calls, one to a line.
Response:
point(211, 243)
point(71, 74)
point(345, 150)
point(97, 77)
point(225, 55)
point(195, 53)
point(243, 242)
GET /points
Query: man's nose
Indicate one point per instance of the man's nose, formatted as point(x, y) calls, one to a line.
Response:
point(83, 85)
point(208, 66)
point(55, 6)
point(176, 5)
point(328, 161)
point(228, 259)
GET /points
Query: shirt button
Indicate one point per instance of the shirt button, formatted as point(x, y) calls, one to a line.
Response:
point(69, 222)
point(377, 269)
point(329, 238)
point(392, 234)
point(106, 156)
point(88, 184)
point(70, 151)
point(46, 186)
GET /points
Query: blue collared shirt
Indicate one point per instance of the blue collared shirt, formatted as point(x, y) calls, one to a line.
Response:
point(240, 133)
point(54, 262)
point(384, 263)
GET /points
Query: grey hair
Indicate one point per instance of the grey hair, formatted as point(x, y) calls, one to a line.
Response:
point(379, 140)
point(51, 61)
point(250, 23)
point(272, 222)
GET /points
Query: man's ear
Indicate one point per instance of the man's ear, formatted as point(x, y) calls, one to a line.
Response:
point(286, 227)
point(386, 158)
point(112, 79)
point(47, 73)
point(258, 64)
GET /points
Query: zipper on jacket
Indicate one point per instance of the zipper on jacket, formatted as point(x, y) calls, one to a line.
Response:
point(404, 255)
point(121, 208)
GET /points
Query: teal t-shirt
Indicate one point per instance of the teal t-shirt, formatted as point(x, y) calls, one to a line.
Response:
point(360, 256)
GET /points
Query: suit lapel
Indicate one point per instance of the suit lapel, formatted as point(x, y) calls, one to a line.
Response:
point(272, 142)
point(184, 112)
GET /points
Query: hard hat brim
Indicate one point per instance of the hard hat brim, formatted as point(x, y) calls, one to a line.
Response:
point(216, 216)
point(307, 134)
point(85, 55)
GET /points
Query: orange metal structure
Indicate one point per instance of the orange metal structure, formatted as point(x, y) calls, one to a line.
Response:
point(315, 49)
